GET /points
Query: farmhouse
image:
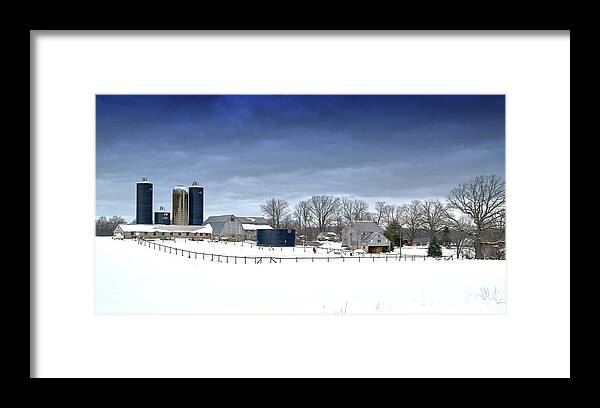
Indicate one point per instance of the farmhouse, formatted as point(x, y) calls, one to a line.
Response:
point(239, 228)
point(365, 235)
point(150, 231)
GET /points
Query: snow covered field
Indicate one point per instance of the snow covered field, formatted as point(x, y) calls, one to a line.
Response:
point(249, 249)
point(132, 278)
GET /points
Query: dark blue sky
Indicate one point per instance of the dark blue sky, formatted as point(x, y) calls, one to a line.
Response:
point(246, 148)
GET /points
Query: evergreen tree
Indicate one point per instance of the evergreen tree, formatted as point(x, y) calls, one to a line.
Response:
point(392, 232)
point(434, 249)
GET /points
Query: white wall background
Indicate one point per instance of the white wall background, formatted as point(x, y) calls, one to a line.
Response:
point(68, 69)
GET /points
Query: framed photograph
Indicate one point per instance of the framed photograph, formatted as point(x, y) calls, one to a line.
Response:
point(245, 204)
point(312, 204)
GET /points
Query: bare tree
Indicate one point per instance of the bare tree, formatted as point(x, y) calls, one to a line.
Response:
point(483, 200)
point(347, 208)
point(462, 226)
point(287, 221)
point(353, 209)
point(323, 209)
point(106, 227)
point(433, 215)
point(339, 222)
point(412, 217)
point(276, 209)
point(394, 214)
point(381, 210)
point(361, 210)
point(303, 215)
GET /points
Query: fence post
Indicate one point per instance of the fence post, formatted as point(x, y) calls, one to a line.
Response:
point(244, 260)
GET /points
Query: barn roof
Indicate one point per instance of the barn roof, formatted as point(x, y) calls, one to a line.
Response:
point(254, 220)
point(248, 223)
point(205, 229)
point(253, 227)
point(217, 222)
point(218, 218)
point(364, 230)
point(364, 226)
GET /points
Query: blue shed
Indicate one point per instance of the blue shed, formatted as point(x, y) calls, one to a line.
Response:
point(162, 217)
point(276, 237)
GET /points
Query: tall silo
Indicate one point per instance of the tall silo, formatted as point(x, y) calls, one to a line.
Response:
point(180, 205)
point(162, 216)
point(143, 202)
point(196, 204)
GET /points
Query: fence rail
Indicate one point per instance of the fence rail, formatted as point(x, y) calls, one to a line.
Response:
point(276, 259)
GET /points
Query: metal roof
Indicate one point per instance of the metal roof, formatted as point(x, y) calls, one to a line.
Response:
point(254, 220)
point(366, 229)
point(218, 218)
point(205, 229)
point(364, 226)
point(254, 227)
point(217, 222)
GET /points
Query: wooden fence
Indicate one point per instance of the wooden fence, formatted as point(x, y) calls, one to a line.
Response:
point(235, 259)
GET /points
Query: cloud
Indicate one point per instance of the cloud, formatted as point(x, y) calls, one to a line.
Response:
point(244, 149)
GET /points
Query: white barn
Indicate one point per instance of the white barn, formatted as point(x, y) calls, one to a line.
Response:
point(365, 235)
point(239, 228)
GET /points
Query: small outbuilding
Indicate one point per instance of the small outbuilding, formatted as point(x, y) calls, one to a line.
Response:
point(281, 237)
point(365, 235)
point(328, 236)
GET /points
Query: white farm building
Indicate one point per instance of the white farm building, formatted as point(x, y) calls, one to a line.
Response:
point(149, 231)
point(366, 235)
point(239, 228)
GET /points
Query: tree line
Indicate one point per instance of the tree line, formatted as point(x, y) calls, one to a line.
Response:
point(106, 226)
point(473, 213)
